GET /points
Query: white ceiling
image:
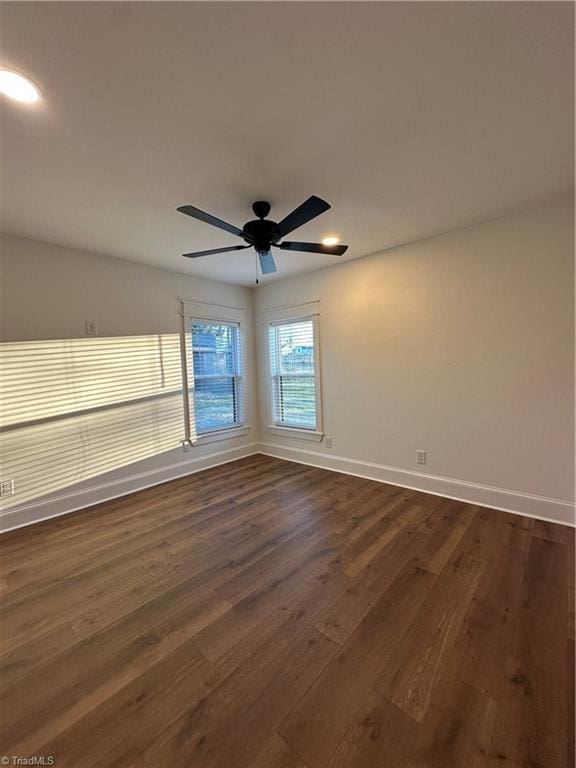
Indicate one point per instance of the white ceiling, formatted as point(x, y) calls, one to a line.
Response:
point(410, 118)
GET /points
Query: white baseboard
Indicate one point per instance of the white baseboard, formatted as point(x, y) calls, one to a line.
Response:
point(540, 507)
point(64, 503)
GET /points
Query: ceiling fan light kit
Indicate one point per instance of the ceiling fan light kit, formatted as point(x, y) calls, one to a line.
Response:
point(262, 234)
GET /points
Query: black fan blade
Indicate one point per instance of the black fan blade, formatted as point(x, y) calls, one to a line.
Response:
point(267, 264)
point(333, 250)
point(215, 250)
point(311, 208)
point(196, 213)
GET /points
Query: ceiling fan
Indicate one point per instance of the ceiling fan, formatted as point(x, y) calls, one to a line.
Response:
point(261, 233)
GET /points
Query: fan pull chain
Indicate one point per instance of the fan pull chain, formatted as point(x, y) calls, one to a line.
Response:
point(256, 263)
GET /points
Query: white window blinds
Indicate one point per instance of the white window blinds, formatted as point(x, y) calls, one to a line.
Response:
point(292, 356)
point(217, 372)
point(73, 409)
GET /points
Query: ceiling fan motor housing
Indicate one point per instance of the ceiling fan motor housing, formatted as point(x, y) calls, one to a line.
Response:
point(260, 233)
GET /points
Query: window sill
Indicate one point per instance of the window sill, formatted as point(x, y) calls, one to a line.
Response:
point(299, 434)
point(221, 434)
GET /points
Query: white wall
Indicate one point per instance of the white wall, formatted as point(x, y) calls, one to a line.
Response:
point(47, 293)
point(461, 344)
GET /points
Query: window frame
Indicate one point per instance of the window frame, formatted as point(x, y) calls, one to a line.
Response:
point(237, 377)
point(215, 314)
point(284, 428)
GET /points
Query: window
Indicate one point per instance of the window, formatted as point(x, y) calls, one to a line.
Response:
point(293, 371)
point(217, 371)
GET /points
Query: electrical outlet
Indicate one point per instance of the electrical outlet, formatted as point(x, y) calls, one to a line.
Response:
point(328, 442)
point(7, 487)
point(420, 457)
point(91, 328)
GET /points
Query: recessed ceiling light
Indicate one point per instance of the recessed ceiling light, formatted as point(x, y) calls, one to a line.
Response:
point(17, 87)
point(330, 240)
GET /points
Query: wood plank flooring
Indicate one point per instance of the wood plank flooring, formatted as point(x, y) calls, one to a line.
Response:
point(265, 614)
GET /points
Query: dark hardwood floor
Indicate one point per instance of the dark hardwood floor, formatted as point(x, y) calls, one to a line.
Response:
point(264, 614)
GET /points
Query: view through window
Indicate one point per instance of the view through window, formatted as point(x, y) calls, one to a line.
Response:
point(217, 367)
point(293, 373)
